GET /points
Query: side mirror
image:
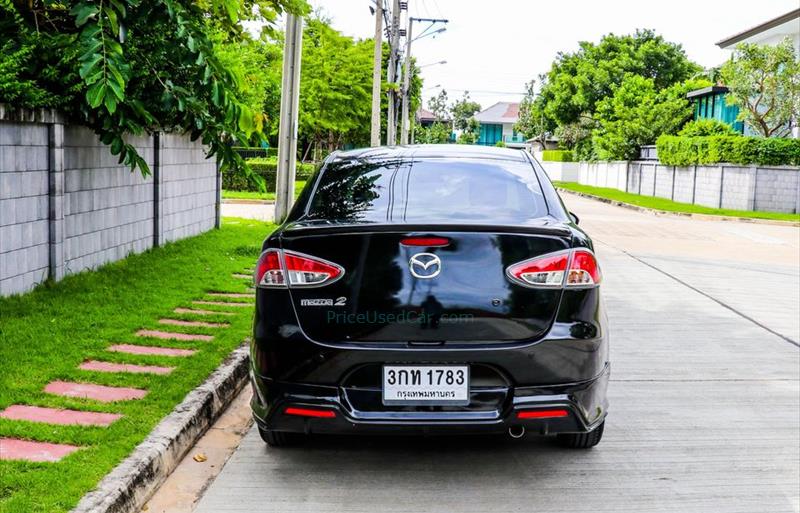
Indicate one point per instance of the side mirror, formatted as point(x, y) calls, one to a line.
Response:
point(574, 218)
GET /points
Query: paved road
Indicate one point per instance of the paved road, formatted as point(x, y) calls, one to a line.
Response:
point(260, 211)
point(705, 399)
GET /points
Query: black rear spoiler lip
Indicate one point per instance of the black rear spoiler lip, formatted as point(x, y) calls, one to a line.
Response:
point(555, 228)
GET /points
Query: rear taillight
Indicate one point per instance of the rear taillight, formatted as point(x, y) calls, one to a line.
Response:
point(571, 268)
point(276, 268)
point(583, 270)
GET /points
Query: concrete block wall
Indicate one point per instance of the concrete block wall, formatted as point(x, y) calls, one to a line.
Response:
point(769, 189)
point(663, 181)
point(684, 184)
point(66, 205)
point(24, 251)
point(108, 211)
point(188, 188)
point(604, 174)
point(737, 187)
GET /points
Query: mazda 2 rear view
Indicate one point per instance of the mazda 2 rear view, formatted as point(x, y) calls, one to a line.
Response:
point(429, 290)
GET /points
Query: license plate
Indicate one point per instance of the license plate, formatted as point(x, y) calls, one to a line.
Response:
point(426, 384)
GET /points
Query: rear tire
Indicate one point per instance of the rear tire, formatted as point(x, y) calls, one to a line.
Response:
point(582, 440)
point(280, 438)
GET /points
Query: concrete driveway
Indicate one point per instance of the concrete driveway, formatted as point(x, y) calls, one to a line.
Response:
point(705, 399)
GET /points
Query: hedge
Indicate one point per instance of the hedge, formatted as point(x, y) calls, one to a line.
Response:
point(267, 169)
point(733, 149)
point(558, 156)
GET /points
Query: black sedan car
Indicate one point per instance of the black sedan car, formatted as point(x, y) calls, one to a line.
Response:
point(429, 290)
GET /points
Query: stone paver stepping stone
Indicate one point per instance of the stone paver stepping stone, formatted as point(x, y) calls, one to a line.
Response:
point(151, 350)
point(94, 365)
point(166, 335)
point(58, 416)
point(192, 311)
point(97, 392)
point(195, 324)
point(223, 303)
point(230, 294)
point(15, 449)
point(243, 276)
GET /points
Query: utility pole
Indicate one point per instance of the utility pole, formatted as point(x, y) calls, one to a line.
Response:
point(287, 130)
point(375, 129)
point(406, 84)
point(394, 41)
point(406, 91)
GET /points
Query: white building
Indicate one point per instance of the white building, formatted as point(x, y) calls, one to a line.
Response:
point(497, 124)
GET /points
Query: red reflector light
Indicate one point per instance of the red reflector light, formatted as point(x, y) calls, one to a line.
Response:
point(542, 414)
point(308, 412)
point(428, 242)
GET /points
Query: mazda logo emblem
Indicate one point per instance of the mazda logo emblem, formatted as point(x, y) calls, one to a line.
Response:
point(425, 265)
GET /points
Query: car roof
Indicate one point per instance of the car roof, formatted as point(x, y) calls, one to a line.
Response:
point(433, 151)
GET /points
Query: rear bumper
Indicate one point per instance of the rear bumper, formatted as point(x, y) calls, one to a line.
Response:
point(585, 404)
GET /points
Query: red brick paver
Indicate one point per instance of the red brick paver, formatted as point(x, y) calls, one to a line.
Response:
point(166, 335)
point(223, 303)
point(151, 350)
point(230, 294)
point(193, 311)
point(194, 324)
point(58, 416)
point(15, 449)
point(94, 365)
point(97, 392)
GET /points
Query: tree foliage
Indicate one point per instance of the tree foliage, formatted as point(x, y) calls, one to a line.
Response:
point(126, 66)
point(438, 105)
point(764, 82)
point(577, 81)
point(637, 113)
point(462, 111)
point(436, 133)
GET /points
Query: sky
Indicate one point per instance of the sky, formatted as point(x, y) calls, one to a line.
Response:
point(493, 47)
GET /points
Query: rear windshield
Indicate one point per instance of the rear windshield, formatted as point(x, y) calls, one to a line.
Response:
point(428, 190)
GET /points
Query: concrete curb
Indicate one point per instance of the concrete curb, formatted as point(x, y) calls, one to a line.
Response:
point(702, 217)
point(128, 487)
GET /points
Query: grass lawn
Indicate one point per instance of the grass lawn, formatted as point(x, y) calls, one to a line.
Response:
point(671, 206)
point(46, 334)
point(249, 195)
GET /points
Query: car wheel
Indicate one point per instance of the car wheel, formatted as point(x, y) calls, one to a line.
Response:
point(280, 438)
point(582, 440)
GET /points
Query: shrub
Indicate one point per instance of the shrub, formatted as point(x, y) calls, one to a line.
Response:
point(558, 156)
point(734, 149)
point(500, 144)
point(264, 169)
point(705, 127)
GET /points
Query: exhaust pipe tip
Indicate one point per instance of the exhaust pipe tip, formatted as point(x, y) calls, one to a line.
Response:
point(516, 432)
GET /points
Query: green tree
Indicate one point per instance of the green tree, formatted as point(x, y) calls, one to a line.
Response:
point(438, 105)
point(764, 82)
point(471, 133)
point(462, 111)
point(436, 133)
point(577, 81)
point(636, 113)
point(125, 66)
point(533, 123)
